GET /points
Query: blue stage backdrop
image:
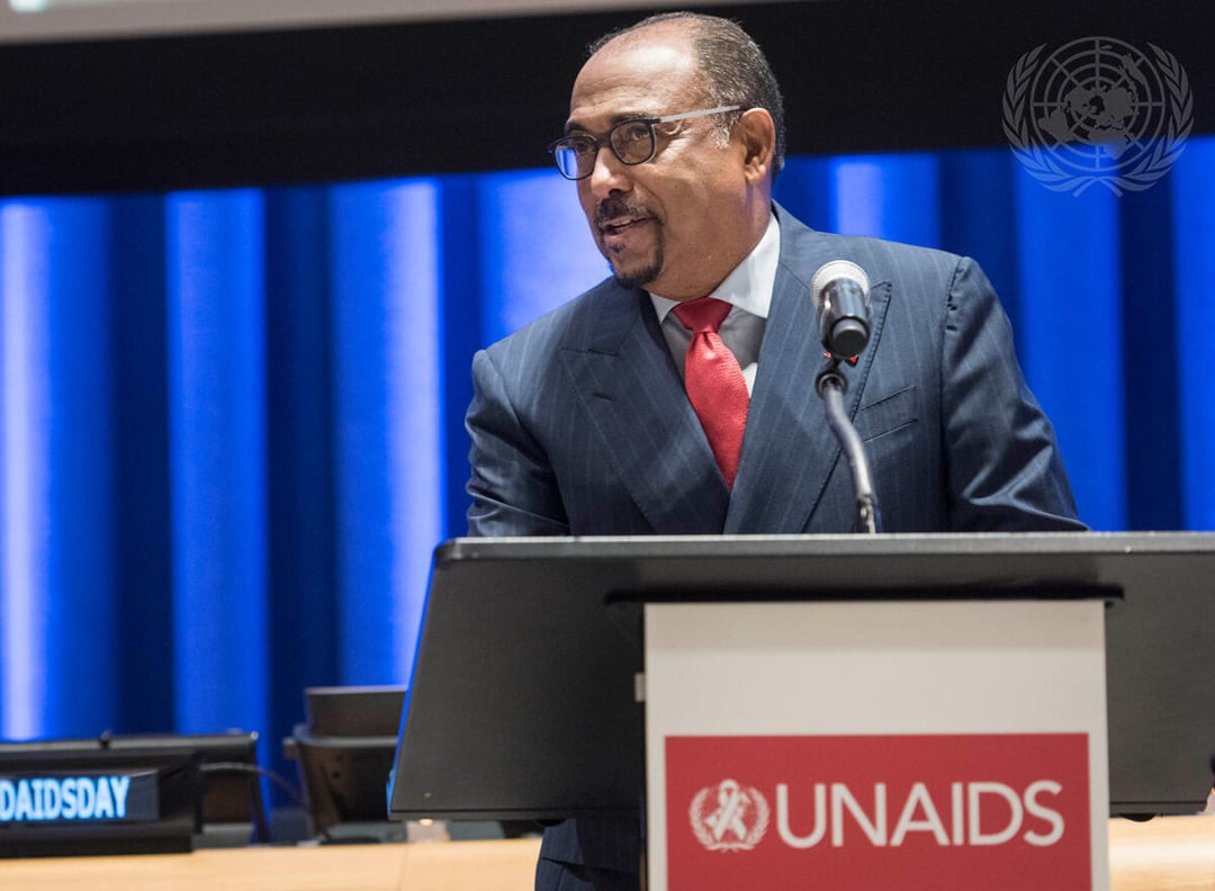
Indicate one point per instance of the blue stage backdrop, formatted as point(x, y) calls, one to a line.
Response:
point(232, 421)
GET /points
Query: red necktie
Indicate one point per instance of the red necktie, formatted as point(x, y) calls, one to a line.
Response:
point(714, 382)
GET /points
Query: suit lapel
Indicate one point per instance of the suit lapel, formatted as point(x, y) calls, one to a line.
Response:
point(788, 450)
point(627, 381)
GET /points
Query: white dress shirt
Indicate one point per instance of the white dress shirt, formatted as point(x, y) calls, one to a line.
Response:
point(749, 289)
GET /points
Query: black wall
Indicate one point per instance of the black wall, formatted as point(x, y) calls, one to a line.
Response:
point(307, 105)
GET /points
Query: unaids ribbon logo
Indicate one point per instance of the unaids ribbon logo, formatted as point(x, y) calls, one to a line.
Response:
point(729, 817)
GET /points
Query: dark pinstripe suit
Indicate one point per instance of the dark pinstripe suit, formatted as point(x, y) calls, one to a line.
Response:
point(580, 426)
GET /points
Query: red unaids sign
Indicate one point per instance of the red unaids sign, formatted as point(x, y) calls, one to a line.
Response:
point(1000, 811)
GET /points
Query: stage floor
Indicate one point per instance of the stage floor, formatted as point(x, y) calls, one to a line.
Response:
point(1165, 854)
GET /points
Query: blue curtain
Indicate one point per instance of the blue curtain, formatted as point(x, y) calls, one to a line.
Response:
point(231, 422)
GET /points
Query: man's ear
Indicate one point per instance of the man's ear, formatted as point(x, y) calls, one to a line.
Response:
point(758, 135)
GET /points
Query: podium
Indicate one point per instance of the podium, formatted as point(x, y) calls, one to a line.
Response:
point(531, 686)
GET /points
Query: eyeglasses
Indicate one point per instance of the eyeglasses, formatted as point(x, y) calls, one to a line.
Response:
point(632, 141)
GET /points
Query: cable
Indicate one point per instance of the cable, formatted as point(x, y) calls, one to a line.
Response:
point(274, 777)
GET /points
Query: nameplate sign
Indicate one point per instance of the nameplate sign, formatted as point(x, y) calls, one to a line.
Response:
point(44, 799)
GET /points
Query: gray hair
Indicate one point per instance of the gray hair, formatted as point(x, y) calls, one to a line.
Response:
point(735, 69)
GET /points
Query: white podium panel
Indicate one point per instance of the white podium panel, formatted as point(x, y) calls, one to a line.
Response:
point(942, 744)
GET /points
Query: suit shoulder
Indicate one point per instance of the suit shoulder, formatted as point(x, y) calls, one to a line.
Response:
point(883, 259)
point(565, 325)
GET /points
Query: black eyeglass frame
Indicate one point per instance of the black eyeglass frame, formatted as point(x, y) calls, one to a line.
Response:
point(650, 122)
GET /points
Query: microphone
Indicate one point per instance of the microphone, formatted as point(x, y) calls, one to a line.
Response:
point(840, 290)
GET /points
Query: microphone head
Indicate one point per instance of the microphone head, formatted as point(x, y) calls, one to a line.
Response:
point(840, 290)
point(833, 270)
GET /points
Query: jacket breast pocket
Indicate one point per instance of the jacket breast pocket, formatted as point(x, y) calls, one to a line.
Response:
point(888, 414)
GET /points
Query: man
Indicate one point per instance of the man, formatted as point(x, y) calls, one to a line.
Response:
point(638, 409)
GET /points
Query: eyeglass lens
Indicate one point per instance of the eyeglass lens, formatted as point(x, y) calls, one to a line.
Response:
point(631, 141)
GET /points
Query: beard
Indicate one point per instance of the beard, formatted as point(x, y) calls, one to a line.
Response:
point(641, 275)
point(644, 270)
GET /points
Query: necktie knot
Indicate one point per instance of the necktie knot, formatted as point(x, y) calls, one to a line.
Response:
point(704, 314)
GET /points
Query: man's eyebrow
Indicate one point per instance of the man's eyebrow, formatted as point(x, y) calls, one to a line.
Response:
point(572, 125)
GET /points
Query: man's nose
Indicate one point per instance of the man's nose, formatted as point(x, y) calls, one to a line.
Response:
point(609, 174)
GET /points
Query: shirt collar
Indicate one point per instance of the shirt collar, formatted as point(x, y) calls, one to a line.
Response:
point(749, 286)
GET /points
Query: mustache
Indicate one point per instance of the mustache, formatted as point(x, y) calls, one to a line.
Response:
point(616, 206)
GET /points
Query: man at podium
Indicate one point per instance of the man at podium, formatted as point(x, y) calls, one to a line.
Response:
point(677, 396)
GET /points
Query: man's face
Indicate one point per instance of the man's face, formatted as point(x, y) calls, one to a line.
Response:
point(680, 223)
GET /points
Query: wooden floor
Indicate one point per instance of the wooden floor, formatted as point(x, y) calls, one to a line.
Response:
point(426, 866)
point(1166, 854)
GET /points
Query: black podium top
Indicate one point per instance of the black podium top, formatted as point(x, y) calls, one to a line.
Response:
point(522, 701)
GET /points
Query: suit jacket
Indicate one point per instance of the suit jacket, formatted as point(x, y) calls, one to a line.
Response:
point(580, 426)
